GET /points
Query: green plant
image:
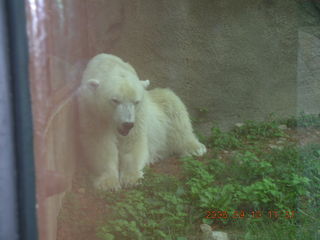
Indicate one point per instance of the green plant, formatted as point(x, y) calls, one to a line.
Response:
point(252, 130)
point(303, 120)
point(268, 186)
point(249, 178)
point(155, 210)
point(267, 229)
point(224, 140)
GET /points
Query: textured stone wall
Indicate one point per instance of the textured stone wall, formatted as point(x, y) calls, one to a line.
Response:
point(309, 70)
point(237, 58)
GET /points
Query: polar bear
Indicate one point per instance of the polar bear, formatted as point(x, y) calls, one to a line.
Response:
point(124, 127)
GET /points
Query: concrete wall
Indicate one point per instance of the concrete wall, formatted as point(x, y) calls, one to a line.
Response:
point(308, 80)
point(235, 58)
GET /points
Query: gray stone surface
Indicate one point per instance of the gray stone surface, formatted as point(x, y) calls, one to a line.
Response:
point(235, 58)
point(308, 99)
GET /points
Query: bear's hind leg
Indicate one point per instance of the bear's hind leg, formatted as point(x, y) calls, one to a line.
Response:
point(193, 148)
point(179, 133)
point(181, 138)
point(183, 141)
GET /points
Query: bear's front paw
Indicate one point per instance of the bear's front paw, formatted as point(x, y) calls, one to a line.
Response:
point(130, 178)
point(107, 182)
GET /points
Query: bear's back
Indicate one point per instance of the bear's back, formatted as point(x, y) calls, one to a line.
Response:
point(167, 101)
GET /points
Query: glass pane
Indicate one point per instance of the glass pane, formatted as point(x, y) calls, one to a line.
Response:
point(247, 73)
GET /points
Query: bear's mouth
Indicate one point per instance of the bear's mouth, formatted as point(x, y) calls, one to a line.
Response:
point(124, 131)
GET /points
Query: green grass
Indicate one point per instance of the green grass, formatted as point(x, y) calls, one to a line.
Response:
point(249, 177)
point(303, 120)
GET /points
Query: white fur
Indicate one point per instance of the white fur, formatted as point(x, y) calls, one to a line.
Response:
point(124, 112)
point(112, 95)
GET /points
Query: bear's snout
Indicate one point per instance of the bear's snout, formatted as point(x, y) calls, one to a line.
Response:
point(125, 128)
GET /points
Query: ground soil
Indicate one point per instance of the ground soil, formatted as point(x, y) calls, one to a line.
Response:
point(83, 210)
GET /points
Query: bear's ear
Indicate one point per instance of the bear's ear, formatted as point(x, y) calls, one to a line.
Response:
point(145, 83)
point(93, 83)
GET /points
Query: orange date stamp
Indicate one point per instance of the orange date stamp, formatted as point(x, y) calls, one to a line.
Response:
point(240, 214)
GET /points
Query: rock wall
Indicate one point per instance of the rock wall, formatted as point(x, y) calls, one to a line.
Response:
point(235, 59)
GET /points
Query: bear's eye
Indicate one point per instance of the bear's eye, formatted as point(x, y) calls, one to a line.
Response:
point(115, 101)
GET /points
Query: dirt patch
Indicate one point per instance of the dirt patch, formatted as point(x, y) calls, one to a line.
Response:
point(82, 211)
point(171, 166)
point(306, 136)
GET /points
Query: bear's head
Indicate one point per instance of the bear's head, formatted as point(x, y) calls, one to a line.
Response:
point(116, 92)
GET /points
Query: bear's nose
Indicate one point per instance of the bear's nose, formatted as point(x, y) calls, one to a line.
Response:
point(127, 125)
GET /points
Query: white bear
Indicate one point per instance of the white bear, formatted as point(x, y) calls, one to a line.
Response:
point(124, 127)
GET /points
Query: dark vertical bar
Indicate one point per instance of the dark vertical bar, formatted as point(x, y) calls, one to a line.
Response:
point(23, 130)
point(8, 191)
